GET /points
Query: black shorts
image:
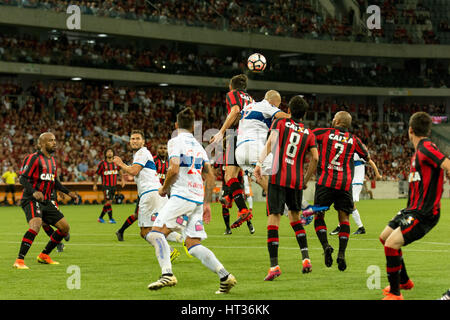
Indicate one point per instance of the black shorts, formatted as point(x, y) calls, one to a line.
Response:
point(413, 225)
point(278, 196)
point(230, 150)
point(48, 211)
point(109, 192)
point(343, 200)
point(10, 188)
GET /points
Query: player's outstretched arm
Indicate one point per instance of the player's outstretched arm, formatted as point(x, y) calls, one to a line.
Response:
point(282, 115)
point(59, 186)
point(231, 118)
point(312, 167)
point(208, 176)
point(171, 176)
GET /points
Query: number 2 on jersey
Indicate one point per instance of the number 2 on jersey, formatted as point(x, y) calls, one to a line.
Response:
point(340, 148)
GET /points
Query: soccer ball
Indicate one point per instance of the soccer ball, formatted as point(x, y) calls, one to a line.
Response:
point(256, 62)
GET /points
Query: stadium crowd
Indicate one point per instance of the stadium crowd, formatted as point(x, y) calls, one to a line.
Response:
point(87, 118)
point(163, 59)
point(294, 18)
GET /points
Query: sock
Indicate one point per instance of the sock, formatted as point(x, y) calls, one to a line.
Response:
point(175, 237)
point(209, 260)
point(403, 274)
point(344, 234)
point(300, 234)
point(109, 211)
point(357, 218)
point(272, 244)
point(55, 238)
point(103, 211)
point(226, 216)
point(162, 250)
point(393, 267)
point(237, 193)
point(27, 241)
point(321, 230)
point(48, 230)
point(250, 202)
point(130, 220)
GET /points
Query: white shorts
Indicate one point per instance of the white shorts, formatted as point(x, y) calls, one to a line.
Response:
point(247, 155)
point(356, 189)
point(149, 205)
point(184, 215)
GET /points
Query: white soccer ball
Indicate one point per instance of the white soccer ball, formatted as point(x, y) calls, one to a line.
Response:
point(256, 62)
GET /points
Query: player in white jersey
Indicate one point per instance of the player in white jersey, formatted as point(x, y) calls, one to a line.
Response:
point(144, 171)
point(357, 185)
point(188, 206)
point(254, 126)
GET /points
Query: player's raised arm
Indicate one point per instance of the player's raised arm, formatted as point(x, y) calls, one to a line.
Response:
point(133, 170)
point(232, 117)
point(375, 169)
point(208, 176)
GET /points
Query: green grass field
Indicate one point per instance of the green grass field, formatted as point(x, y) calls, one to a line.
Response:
point(122, 270)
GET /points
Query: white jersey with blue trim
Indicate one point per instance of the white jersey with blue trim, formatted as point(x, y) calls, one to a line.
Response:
point(256, 120)
point(147, 179)
point(359, 172)
point(189, 183)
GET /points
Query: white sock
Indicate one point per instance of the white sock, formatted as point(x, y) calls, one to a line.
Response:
point(175, 237)
point(286, 210)
point(162, 250)
point(250, 202)
point(305, 204)
point(357, 218)
point(208, 259)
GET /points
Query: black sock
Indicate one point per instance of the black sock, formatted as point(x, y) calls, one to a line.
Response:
point(27, 241)
point(403, 274)
point(48, 230)
point(321, 231)
point(237, 193)
point(55, 239)
point(226, 216)
point(130, 220)
point(393, 267)
point(103, 212)
point(300, 234)
point(344, 234)
point(272, 244)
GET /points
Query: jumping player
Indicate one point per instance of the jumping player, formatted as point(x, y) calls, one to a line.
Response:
point(426, 184)
point(236, 100)
point(39, 178)
point(289, 141)
point(334, 178)
point(189, 205)
point(109, 172)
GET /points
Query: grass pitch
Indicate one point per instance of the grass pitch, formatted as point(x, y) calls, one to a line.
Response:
point(122, 270)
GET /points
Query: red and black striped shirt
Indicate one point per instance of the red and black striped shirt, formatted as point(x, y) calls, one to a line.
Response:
point(239, 98)
point(426, 179)
point(161, 168)
point(293, 142)
point(109, 172)
point(41, 172)
point(336, 149)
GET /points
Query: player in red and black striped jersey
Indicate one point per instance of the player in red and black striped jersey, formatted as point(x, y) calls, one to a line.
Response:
point(236, 100)
point(426, 184)
point(109, 172)
point(289, 142)
point(334, 180)
point(39, 179)
point(161, 169)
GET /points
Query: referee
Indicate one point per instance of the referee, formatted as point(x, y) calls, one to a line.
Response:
point(9, 177)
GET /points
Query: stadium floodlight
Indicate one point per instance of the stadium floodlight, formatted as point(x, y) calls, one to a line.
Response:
point(163, 84)
point(102, 35)
point(76, 79)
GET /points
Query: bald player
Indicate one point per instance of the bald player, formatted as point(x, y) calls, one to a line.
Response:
point(254, 127)
point(334, 180)
point(39, 179)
